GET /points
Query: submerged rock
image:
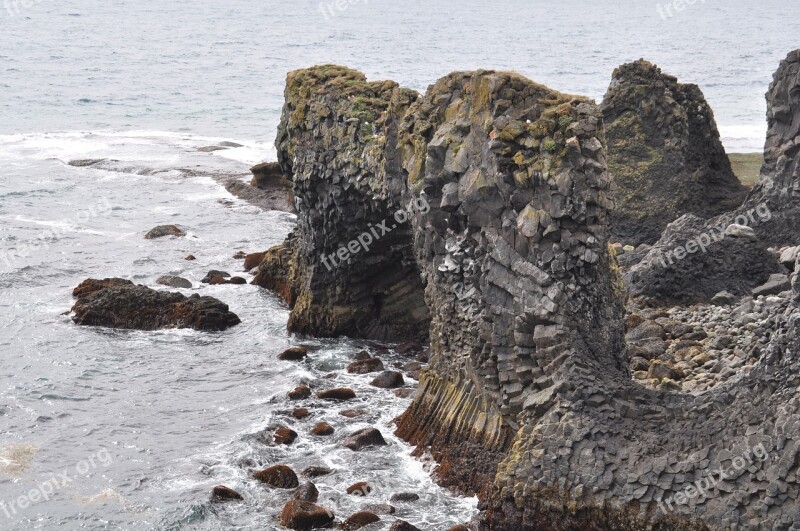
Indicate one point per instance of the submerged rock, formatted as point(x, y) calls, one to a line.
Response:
point(174, 282)
point(342, 393)
point(118, 303)
point(388, 380)
point(221, 493)
point(316, 471)
point(664, 153)
point(365, 366)
point(164, 230)
point(293, 354)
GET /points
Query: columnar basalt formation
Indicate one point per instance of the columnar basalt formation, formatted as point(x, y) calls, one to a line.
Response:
point(771, 212)
point(347, 274)
point(664, 153)
point(528, 401)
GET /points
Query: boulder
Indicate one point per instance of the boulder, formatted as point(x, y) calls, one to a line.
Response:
point(777, 283)
point(342, 393)
point(362, 488)
point(213, 274)
point(299, 393)
point(402, 525)
point(252, 260)
point(278, 476)
point(359, 520)
point(388, 380)
point(221, 493)
point(118, 303)
point(316, 471)
point(304, 516)
point(365, 366)
point(404, 497)
point(353, 413)
point(306, 492)
point(173, 282)
point(284, 436)
point(190, 257)
point(322, 429)
point(162, 231)
point(723, 298)
point(293, 354)
point(364, 438)
point(300, 413)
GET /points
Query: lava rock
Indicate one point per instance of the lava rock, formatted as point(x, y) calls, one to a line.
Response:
point(388, 380)
point(284, 436)
point(278, 476)
point(363, 439)
point(118, 303)
point(300, 413)
point(252, 260)
point(404, 497)
point(402, 525)
point(776, 284)
point(352, 413)
point(362, 488)
point(190, 257)
point(316, 471)
point(359, 520)
point(237, 281)
point(214, 273)
point(162, 231)
point(362, 355)
point(173, 282)
point(380, 508)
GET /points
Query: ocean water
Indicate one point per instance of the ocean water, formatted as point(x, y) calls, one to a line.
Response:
point(130, 430)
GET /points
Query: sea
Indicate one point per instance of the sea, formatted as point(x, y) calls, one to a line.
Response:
point(113, 429)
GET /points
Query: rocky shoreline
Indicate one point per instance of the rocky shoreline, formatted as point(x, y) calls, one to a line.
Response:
point(603, 317)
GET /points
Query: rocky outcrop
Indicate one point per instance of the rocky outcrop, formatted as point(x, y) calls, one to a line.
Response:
point(119, 303)
point(348, 269)
point(664, 153)
point(770, 216)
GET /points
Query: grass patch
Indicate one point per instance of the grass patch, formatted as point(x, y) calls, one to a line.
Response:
point(746, 166)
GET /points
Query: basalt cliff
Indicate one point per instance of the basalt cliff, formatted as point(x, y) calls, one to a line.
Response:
point(502, 262)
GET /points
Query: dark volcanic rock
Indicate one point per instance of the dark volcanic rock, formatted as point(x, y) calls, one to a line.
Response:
point(322, 429)
point(364, 438)
point(221, 493)
point(776, 284)
point(284, 436)
point(353, 413)
point(404, 497)
point(342, 393)
point(306, 492)
point(173, 281)
point(304, 516)
point(118, 303)
point(359, 520)
point(365, 366)
point(211, 275)
point(253, 260)
point(388, 380)
point(402, 525)
point(362, 488)
point(664, 154)
point(380, 508)
point(316, 471)
point(164, 230)
point(300, 413)
point(269, 198)
point(268, 175)
point(278, 476)
point(293, 354)
point(343, 192)
point(300, 392)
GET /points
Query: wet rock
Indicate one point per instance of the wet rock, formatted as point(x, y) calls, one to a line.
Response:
point(304, 516)
point(299, 393)
point(190, 257)
point(252, 260)
point(221, 493)
point(173, 282)
point(359, 520)
point(459, 528)
point(723, 298)
point(380, 508)
point(306, 492)
point(776, 284)
point(118, 303)
point(268, 175)
point(284, 436)
point(363, 439)
point(278, 476)
point(239, 255)
point(365, 366)
point(361, 355)
point(342, 393)
point(362, 488)
point(405, 497)
point(293, 354)
point(215, 273)
point(353, 413)
point(316, 471)
point(388, 380)
point(322, 429)
point(237, 281)
point(402, 525)
point(404, 393)
point(300, 413)
point(162, 231)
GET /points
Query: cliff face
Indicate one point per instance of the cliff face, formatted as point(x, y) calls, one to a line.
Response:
point(664, 153)
point(345, 270)
point(528, 400)
point(737, 260)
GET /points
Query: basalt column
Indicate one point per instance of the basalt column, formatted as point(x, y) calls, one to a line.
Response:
point(348, 268)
